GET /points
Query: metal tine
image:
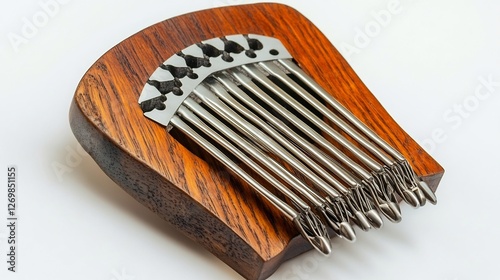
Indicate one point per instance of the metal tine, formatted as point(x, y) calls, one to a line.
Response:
point(272, 69)
point(359, 212)
point(263, 79)
point(227, 89)
point(275, 71)
point(207, 97)
point(411, 177)
point(198, 123)
point(210, 100)
point(308, 224)
point(405, 174)
point(383, 198)
point(295, 70)
point(245, 81)
point(399, 185)
point(248, 84)
point(338, 221)
point(222, 93)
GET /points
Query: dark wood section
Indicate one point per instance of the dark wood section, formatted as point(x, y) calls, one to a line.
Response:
point(198, 197)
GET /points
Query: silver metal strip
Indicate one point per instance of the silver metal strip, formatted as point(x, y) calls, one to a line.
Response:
point(295, 69)
point(308, 224)
point(337, 220)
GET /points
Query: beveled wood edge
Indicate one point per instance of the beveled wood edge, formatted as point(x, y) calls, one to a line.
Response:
point(104, 151)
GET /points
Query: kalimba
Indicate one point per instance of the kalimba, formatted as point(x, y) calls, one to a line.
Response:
point(245, 129)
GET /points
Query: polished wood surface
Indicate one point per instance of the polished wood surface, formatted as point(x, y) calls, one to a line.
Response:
point(187, 189)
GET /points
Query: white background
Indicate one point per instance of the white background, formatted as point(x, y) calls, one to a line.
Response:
point(425, 65)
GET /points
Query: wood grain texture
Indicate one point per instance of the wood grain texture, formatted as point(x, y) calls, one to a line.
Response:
point(198, 196)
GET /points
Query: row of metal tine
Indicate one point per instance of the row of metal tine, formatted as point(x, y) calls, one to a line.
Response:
point(252, 113)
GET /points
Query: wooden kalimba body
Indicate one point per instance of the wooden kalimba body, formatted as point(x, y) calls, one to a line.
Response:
point(245, 129)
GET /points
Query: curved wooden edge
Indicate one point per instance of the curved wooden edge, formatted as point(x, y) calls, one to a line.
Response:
point(208, 205)
point(166, 200)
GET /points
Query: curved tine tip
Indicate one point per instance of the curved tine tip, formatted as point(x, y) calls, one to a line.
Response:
point(411, 198)
point(395, 205)
point(341, 228)
point(374, 218)
point(389, 212)
point(322, 244)
point(420, 195)
point(396, 212)
point(335, 226)
point(347, 232)
point(312, 229)
point(429, 194)
point(361, 221)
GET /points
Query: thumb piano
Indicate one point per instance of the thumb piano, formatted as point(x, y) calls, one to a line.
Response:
point(245, 129)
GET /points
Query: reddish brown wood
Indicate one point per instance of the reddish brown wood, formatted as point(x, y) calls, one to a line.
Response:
point(198, 196)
